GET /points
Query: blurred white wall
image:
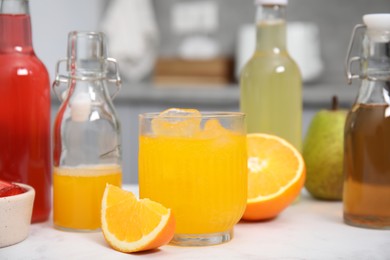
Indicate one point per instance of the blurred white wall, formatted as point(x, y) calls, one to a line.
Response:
point(53, 19)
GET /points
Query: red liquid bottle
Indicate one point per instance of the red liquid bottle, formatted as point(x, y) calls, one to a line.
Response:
point(24, 107)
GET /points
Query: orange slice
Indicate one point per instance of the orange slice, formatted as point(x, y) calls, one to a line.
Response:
point(276, 174)
point(131, 225)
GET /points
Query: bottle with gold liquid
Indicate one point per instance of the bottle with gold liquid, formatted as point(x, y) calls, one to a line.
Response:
point(366, 194)
point(87, 144)
point(270, 83)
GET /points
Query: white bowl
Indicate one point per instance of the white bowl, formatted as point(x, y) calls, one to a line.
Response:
point(15, 216)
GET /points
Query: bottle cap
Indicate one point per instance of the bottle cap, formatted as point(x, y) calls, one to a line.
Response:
point(378, 27)
point(377, 21)
point(271, 2)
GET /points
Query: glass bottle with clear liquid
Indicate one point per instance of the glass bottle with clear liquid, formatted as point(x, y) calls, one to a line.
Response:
point(366, 194)
point(270, 83)
point(87, 145)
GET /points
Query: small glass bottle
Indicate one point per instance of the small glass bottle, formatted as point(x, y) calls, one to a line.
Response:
point(270, 83)
point(25, 150)
point(366, 194)
point(87, 145)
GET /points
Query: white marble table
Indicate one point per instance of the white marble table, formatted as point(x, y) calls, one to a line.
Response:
point(309, 229)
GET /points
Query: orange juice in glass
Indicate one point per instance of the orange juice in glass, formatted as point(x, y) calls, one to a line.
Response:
point(78, 193)
point(195, 164)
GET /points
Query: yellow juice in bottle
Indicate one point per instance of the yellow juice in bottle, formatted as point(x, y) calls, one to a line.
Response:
point(78, 192)
point(271, 88)
point(202, 179)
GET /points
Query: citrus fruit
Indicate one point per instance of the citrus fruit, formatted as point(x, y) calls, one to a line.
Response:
point(276, 174)
point(132, 225)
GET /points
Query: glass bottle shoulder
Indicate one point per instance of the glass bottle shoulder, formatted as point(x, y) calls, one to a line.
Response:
point(89, 113)
point(19, 60)
point(268, 63)
point(17, 67)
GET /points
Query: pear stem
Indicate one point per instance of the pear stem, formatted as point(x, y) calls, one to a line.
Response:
point(335, 103)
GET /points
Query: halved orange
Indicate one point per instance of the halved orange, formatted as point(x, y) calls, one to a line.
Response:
point(276, 174)
point(132, 225)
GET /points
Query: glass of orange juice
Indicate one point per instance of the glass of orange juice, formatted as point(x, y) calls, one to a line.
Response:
point(196, 164)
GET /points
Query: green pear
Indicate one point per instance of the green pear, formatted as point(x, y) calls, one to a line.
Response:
point(323, 150)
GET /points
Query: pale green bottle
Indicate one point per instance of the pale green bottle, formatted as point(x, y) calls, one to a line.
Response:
point(270, 83)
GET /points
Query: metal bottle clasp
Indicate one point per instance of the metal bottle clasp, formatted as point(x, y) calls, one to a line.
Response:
point(350, 60)
point(59, 78)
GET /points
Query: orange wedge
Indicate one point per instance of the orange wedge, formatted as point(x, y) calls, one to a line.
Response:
point(276, 174)
point(131, 225)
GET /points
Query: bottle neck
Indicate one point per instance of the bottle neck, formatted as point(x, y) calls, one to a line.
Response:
point(15, 26)
point(376, 53)
point(375, 68)
point(271, 28)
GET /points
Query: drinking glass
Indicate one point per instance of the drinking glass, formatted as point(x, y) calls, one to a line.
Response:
point(196, 164)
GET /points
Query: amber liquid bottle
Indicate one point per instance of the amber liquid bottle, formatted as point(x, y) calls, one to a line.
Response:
point(24, 107)
point(366, 195)
point(368, 165)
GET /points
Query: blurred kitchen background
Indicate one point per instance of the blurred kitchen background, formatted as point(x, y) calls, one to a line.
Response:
point(187, 53)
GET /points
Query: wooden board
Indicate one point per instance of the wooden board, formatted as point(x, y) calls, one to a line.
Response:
point(182, 71)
